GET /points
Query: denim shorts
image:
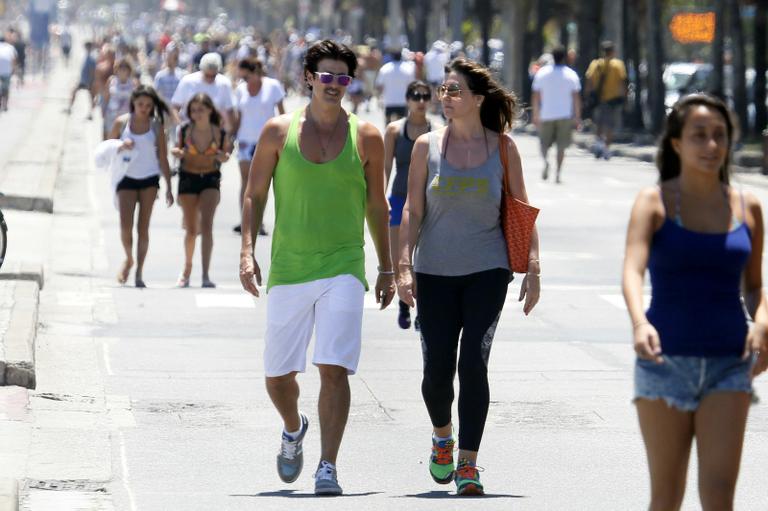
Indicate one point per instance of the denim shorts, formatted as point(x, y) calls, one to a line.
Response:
point(684, 381)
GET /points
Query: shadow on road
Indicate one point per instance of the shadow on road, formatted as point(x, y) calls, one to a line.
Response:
point(450, 495)
point(292, 494)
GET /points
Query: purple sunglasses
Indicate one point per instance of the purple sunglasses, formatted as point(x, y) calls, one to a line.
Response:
point(326, 78)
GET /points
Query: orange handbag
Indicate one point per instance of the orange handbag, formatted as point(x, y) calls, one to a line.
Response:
point(517, 219)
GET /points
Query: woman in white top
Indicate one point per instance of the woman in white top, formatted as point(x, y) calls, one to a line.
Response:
point(145, 148)
point(116, 97)
point(257, 97)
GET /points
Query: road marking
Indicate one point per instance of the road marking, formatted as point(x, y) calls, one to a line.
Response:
point(225, 301)
point(569, 256)
point(126, 475)
point(618, 301)
point(105, 354)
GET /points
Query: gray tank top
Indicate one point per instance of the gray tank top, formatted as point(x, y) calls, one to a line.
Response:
point(461, 231)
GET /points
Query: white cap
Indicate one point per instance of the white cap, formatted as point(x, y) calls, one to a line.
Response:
point(211, 61)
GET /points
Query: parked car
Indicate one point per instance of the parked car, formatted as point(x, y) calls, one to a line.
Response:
point(681, 78)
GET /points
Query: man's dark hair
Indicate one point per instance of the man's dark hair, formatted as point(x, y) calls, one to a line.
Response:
point(397, 55)
point(251, 64)
point(558, 55)
point(328, 49)
point(607, 47)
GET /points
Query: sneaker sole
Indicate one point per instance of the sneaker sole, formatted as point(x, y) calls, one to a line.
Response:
point(471, 490)
point(447, 480)
point(328, 493)
point(291, 479)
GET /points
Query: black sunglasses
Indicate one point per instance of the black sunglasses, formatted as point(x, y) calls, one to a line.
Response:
point(420, 96)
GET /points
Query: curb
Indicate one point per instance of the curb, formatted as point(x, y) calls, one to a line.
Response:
point(23, 271)
point(28, 178)
point(19, 339)
point(19, 202)
point(9, 495)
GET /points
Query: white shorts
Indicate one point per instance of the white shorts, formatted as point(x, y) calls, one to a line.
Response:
point(332, 307)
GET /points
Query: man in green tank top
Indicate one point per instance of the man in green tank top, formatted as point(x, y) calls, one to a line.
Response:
point(328, 173)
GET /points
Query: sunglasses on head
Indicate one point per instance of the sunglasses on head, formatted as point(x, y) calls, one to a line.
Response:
point(452, 91)
point(420, 96)
point(327, 78)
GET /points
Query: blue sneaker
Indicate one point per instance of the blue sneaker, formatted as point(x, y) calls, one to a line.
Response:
point(290, 461)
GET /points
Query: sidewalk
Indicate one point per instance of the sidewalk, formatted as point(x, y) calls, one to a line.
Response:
point(30, 156)
point(644, 149)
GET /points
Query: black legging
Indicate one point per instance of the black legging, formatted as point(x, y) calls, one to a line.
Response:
point(469, 306)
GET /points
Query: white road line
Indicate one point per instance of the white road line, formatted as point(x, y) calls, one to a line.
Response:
point(569, 256)
point(225, 301)
point(105, 354)
point(618, 301)
point(194, 286)
point(126, 475)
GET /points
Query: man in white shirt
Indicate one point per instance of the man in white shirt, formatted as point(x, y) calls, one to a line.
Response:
point(209, 81)
point(435, 61)
point(392, 82)
point(7, 63)
point(167, 81)
point(256, 100)
point(556, 107)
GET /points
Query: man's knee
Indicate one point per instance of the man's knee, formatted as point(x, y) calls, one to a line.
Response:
point(280, 382)
point(332, 374)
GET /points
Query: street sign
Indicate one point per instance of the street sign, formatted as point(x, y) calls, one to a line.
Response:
point(693, 27)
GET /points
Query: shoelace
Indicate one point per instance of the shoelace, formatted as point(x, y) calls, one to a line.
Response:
point(324, 472)
point(289, 448)
point(443, 455)
point(467, 471)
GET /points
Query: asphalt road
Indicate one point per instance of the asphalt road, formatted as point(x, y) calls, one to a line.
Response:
point(156, 396)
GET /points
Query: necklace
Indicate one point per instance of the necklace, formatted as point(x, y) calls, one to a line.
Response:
point(448, 138)
point(315, 127)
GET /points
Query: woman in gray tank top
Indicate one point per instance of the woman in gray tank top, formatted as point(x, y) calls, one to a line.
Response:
point(452, 220)
point(399, 138)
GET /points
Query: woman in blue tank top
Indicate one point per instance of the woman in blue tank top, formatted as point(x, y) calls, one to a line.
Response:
point(399, 138)
point(696, 356)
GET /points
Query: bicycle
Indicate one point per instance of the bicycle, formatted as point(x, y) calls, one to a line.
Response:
point(3, 238)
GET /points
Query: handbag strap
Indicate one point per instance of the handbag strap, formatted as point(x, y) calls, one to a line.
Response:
point(504, 156)
point(601, 83)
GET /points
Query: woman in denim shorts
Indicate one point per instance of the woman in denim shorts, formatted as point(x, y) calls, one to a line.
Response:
point(702, 243)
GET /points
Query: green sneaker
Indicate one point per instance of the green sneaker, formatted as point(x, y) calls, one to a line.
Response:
point(441, 466)
point(468, 479)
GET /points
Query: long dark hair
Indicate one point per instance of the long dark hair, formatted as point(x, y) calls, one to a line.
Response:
point(667, 159)
point(161, 107)
point(499, 108)
point(205, 99)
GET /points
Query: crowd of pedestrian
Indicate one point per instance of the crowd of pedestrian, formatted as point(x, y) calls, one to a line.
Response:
point(440, 242)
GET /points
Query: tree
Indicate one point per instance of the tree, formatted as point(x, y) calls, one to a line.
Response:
point(633, 10)
point(655, 57)
point(761, 63)
point(484, 11)
point(738, 66)
point(718, 49)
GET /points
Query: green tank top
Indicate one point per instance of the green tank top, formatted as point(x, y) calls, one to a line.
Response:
point(319, 213)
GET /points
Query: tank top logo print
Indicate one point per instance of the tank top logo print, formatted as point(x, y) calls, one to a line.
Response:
point(452, 186)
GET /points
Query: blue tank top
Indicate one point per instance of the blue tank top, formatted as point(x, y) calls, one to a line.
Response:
point(696, 294)
point(403, 150)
